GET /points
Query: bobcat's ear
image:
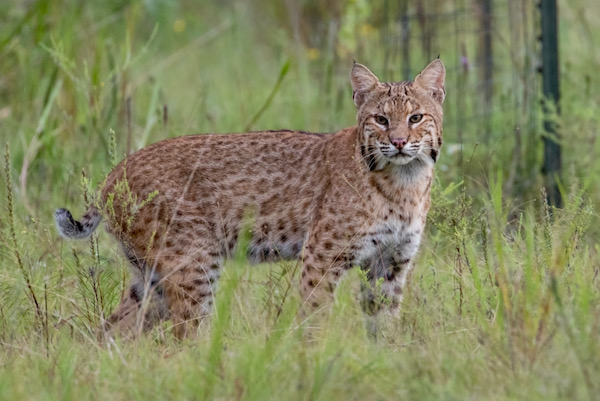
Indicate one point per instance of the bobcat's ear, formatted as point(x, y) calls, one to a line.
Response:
point(432, 79)
point(363, 80)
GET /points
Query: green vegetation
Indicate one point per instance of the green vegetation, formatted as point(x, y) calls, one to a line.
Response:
point(504, 302)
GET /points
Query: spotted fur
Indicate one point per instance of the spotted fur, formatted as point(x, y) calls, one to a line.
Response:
point(358, 197)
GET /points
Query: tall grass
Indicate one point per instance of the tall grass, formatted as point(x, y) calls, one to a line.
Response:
point(504, 299)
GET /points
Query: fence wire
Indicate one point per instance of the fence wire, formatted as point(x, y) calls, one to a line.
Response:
point(491, 52)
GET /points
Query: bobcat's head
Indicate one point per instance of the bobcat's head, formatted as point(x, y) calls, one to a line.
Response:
point(399, 122)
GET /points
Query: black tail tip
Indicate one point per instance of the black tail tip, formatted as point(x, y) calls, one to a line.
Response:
point(62, 215)
point(66, 224)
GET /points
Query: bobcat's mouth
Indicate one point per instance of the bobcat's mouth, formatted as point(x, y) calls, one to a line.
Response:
point(397, 156)
point(401, 158)
point(380, 154)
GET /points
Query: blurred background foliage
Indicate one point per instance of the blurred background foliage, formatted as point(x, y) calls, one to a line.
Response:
point(154, 69)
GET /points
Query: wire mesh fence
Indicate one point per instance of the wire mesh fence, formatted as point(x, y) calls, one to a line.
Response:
point(491, 51)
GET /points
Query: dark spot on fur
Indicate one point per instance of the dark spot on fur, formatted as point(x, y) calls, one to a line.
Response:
point(206, 293)
point(369, 157)
point(328, 245)
point(389, 197)
point(133, 294)
point(399, 266)
point(434, 155)
point(232, 241)
point(201, 281)
point(188, 287)
point(305, 205)
point(161, 215)
point(428, 186)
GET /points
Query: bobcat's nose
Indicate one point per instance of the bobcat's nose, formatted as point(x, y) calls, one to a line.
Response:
point(399, 143)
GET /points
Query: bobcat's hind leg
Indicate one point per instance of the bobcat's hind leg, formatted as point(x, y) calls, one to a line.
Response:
point(322, 269)
point(143, 304)
point(190, 285)
point(141, 308)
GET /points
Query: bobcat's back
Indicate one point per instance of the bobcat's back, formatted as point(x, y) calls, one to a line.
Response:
point(206, 184)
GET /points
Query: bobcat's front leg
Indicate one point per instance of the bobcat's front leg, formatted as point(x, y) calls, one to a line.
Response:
point(387, 277)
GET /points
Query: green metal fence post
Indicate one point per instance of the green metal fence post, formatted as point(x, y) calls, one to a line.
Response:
point(552, 152)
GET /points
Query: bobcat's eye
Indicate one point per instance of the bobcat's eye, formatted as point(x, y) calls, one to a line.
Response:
point(381, 120)
point(415, 118)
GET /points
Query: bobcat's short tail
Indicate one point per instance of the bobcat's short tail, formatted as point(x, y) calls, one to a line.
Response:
point(70, 228)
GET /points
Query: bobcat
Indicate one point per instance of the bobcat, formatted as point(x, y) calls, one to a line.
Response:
point(357, 197)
